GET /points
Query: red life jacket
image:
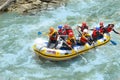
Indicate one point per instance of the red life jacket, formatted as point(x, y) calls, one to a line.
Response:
point(62, 32)
point(83, 40)
point(102, 30)
point(95, 33)
point(69, 31)
point(109, 29)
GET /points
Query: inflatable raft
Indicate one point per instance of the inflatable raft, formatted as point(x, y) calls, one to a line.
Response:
point(60, 54)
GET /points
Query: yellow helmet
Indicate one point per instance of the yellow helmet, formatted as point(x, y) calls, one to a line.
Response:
point(51, 29)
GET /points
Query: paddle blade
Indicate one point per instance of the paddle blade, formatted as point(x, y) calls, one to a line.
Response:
point(113, 42)
point(39, 33)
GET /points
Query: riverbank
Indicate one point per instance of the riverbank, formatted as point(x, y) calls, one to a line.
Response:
point(30, 6)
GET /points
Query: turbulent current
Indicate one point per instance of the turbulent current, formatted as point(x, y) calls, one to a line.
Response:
point(18, 32)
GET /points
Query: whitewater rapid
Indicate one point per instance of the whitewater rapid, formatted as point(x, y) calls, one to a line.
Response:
point(18, 32)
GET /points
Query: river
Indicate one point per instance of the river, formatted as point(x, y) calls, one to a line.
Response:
point(18, 32)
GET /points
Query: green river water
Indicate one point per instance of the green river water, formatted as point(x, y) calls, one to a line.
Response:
point(18, 32)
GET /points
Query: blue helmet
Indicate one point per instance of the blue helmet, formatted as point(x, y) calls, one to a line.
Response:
point(97, 28)
point(60, 26)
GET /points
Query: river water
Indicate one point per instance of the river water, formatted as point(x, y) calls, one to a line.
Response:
point(18, 32)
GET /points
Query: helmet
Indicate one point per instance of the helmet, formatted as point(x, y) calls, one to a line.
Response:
point(60, 26)
point(85, 30)
point(97, 28)
point(101, 23)
point(66, 26)
point(84, 24)
point(111, 25)
point(51, 29)
point(70, 34)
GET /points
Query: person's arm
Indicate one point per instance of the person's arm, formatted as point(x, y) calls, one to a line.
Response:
point(79, 30)
point(73, 41)
point(54, 35)
point(116, 32)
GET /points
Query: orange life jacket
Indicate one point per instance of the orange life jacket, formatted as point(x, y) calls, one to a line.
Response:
point(53, 35)
point(69, 41)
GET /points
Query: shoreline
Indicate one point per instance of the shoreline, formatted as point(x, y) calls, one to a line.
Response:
point(30, 6)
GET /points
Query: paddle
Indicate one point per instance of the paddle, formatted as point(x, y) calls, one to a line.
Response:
point(115, 31)
point(79, 32)
point(40, 33)
point(67, 44)
point(113, 42)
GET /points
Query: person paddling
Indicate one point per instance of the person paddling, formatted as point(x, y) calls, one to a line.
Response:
point(110, 28)
point(70, 41)
point(101, 24)
point(68, 29)
point(96, 34)
point(62, 32)
point(102, 29)
point(82, 27)
point(52, 37)
point(85, 38)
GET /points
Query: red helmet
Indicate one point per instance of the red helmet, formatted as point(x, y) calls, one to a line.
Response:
point(84, 24)
point(66, 26)
point(70, 34)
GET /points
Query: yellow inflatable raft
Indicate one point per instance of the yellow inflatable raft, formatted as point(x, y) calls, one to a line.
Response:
point(57, 54)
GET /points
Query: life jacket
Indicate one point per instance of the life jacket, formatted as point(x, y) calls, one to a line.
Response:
point(69, 31)
point(109, 29)
point(101, 30)
point(87, 35)
point(62, 32)
point(101, 26)
point(83, 27)
point(53, 35)
point(83, 39)
point(70, 41)
point(95, 34)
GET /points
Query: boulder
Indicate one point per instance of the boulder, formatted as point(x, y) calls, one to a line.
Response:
point(44, 6)
point(24, 8)
point(28, 6)
point(38, 2)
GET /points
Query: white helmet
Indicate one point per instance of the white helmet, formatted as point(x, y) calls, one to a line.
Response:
point(85, 30)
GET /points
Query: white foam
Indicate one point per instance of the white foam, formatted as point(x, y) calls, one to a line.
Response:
point(40, 41)
point(96, 76)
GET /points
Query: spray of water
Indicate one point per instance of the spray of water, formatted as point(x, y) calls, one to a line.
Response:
point(19, 33)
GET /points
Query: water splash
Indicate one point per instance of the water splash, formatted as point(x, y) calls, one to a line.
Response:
point(18, 33)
